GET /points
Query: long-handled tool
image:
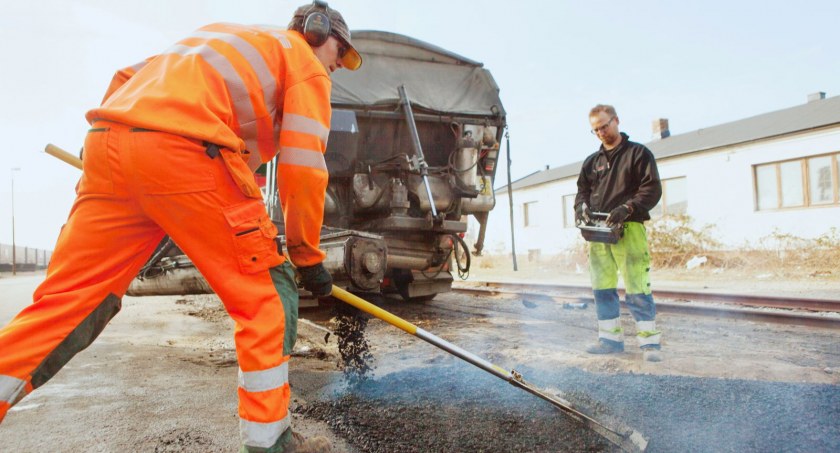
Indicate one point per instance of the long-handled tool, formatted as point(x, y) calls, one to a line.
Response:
point(627, 439)
point(59, 153)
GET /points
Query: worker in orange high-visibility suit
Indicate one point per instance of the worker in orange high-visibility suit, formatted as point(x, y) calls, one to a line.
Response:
point(172, 150)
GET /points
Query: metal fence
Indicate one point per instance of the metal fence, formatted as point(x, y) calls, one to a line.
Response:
point(26, 258)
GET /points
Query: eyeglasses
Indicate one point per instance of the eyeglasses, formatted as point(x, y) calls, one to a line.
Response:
point(342, 50)
point(603, 128)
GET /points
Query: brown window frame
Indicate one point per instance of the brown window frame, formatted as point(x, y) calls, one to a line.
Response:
point(526, 216)
point(663, 201)
point(805, 179)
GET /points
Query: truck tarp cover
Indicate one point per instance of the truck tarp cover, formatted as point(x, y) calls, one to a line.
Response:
point(436, 80)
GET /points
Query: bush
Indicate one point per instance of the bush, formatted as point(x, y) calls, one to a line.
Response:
point(673, 241)
point(785, 254)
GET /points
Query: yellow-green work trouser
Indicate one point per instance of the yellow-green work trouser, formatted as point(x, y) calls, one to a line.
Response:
point(630, 257)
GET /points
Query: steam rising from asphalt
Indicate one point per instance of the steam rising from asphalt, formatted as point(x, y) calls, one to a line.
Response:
point(447, 405)
point(456, 407)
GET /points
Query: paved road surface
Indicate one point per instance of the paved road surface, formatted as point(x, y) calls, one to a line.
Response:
point(95, 402)
point(160, 378)
point(16, 293)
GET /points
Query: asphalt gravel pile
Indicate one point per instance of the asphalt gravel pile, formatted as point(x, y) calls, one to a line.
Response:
point(448, 410)
point(349, 328)
point(459, 408)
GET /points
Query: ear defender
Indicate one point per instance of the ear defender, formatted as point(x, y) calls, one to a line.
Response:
point(316, 25)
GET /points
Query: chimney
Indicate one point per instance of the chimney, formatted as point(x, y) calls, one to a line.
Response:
point(660, 129)
point(818, 96)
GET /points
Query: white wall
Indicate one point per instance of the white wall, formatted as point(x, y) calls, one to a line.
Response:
point(720, 191)
point(546, 233)
point(720, 187)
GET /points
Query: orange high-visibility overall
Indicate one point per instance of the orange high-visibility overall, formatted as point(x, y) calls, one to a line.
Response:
point(151, 168)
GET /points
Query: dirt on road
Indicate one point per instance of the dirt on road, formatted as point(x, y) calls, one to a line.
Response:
point(162, 378)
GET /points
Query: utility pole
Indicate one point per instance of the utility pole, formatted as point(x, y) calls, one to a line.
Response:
point(510, 199)
point(14, 256)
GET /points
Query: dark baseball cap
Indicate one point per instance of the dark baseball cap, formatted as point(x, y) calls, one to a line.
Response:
point(338, 28)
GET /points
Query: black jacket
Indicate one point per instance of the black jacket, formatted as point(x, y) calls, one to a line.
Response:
point(625, 175)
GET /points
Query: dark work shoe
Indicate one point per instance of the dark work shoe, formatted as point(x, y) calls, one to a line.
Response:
point(317, 444)
point(606, 347)
point(293, 442)
point(651, 355)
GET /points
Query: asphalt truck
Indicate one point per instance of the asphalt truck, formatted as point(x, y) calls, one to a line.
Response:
point(412, 152)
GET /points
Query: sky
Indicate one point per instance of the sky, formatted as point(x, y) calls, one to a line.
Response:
point(697, 63)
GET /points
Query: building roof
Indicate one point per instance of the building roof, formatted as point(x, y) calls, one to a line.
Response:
point(812, 115)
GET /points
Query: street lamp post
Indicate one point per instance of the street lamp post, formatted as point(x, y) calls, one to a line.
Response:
point(14, 255)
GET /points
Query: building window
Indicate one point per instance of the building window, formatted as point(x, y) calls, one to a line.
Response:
point(674, 197)
point(809, 181)
point(790, 180)
point(529, 213)
point(768, 194)
point(820, 182)
point(569, 211)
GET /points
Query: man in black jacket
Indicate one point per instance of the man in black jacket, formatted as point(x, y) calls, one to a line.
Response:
point(622, 180)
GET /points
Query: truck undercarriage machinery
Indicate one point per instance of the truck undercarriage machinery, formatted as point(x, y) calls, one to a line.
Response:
point(412, 151)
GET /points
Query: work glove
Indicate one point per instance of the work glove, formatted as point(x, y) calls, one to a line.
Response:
point(316, 280)
point(618, 215)
point(583, 215)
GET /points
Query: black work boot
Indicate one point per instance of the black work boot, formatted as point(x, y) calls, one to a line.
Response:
point(606, 347)
point(651, 354)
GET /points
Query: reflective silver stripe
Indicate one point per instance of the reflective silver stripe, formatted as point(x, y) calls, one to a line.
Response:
point(653, 339)
point(302, 157)
point(279, 34)
point(249, 134)
point(306, 125)
point(10, 388)
point(139, 66)
point(245, 112)
point(646, 333)
point(253, 57)
point(645, 325)
point(284, 41)
point(262, 435)
point(261, 381)
point(610, 329)
point(235, 85)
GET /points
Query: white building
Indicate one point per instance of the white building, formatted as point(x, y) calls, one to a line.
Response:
point(776, 172)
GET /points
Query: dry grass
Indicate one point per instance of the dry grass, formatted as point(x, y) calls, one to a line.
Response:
point(674, 240)
point(786, 254)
